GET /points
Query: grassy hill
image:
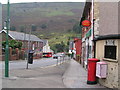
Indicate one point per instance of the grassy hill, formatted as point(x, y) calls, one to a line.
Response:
point(48, 20)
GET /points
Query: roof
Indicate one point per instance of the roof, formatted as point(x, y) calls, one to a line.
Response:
point(86, 11)
point(44, 42)
point(22, 36)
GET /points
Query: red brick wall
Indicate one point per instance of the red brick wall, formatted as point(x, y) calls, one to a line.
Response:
point(78, 45)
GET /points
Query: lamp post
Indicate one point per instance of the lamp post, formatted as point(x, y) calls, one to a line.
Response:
point(7, 44)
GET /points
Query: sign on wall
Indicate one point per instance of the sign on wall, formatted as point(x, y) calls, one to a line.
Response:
point(86, 23)
point(110, 42)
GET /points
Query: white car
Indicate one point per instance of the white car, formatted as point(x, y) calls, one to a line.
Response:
point(62, 55)
point(55, 56)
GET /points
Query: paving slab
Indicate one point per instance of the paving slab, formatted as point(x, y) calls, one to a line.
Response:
point(76, 77)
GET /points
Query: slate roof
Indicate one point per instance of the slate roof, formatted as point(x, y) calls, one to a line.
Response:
point(44, 42)
point(22, 36)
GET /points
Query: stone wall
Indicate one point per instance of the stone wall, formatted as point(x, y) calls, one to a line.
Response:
point(0, 16)
point(108, 18)
point(111, 80)
point(18, 55)
point(0, 30)
point(119, 64)
point(119, 45)
point(0, 47)
point(112, 75)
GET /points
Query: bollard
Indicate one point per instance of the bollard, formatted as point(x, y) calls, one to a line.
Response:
point(60, 59)
point(57, 62)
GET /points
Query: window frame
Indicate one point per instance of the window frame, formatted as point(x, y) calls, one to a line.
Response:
point(109, 58)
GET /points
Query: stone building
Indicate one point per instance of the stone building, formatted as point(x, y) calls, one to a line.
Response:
point(0, 30)
point(107, 40)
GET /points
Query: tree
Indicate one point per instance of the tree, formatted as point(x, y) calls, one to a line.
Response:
point(59, 47)
point(22, 28)
point(43, 26)
point(67, 48)
point(34, 28)
point(13, 28)
point(77, 28)
point(13, 44)
point(69, 30)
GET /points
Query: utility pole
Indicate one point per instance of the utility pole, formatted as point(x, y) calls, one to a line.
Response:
point(7, 44)
point(25, 55)
point(28, 48)
point(92, 29)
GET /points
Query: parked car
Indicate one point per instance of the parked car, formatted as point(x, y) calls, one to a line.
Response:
point(62, 55)
point(55, 56)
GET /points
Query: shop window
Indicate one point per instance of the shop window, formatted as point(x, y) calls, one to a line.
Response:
point(110, 52)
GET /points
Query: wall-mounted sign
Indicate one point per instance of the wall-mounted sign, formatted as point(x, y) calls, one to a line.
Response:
point(86, 23)
point(110, 42)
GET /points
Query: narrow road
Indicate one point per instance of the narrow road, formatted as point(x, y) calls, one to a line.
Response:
point(50, 77)
point(36, 63)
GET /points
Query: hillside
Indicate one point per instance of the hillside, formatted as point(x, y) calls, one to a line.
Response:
point(48, 20)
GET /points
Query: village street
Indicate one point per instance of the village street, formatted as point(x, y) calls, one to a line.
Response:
point(36, 77)
point(59, 45)
point(41, 63)
point(65, 75)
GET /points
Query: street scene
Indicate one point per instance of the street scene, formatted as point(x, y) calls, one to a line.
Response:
point(67, 45)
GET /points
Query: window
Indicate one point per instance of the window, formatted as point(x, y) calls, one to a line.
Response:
point(110, 52)
point(89, 51)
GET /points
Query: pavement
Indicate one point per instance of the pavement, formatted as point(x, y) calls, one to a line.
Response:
point(76, 77)
point(70, 74)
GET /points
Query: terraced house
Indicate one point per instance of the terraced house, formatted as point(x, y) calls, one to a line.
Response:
point(105, 43)
point(87, 35)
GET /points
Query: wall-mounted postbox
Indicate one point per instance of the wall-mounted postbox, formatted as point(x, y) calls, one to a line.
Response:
point(101, 69)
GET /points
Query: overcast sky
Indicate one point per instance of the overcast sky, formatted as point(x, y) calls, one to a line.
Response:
point(22, 1)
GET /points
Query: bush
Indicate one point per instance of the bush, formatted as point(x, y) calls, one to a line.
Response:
point(13, 28)
point(13, 44)
point(43, 26)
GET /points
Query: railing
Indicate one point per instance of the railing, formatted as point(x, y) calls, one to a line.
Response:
point(62, 59)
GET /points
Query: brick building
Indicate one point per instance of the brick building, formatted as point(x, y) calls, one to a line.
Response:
point(31, 42)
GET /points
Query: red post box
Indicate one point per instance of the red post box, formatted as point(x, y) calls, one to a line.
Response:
point(92, 71)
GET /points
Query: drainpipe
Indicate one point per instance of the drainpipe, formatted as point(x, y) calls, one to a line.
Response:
point(94, 48)
point(92, 18)
point(94, 41)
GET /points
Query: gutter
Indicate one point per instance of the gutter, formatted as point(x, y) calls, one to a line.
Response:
point(105, 37)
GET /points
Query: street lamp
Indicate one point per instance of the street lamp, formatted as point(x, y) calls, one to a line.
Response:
point(7, 44)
